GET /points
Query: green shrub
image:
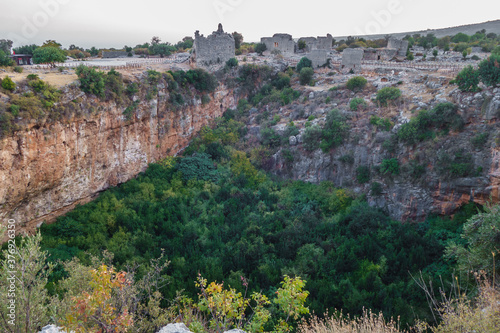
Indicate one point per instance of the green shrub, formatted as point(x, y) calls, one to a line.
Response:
point(356, 83)
point(312, 138)
point(388, 94)
point(376, 189)
point(363, 174)
point(334, 131)
point(14, 109)
point(357, 103)
point(409, 57)
point(389, 167)
point(91, 81)
point(199, 166)
point(130, 110)
point(457, 165)
point(8, 84)
point(467, 79)
point(382, 123)
point(132, 89)
point(260, 48)
point(233, 62)
point(32, 77)
point(18, 69)
point(304, 63)
point(5, 60)
point(489, 70)
point(306, 75)
point(114, 87)
point(480, 140)
point(205, 99)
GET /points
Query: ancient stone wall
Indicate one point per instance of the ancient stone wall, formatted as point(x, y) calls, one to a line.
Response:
point(318, 57)
point(282, 42)
point(324, 43)
point(114, 54)
point(214, 49)
point(351, 59)
point(400, 45)
point(311, 43)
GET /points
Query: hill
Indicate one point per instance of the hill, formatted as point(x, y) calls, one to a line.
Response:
point(469, 29)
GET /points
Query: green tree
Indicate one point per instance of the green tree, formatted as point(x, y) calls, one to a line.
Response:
point(5, 60)
point(260, 48)
point(48, 55)
point(334, 131)
point(467, 79)
point(306, 75)
point(5, 46)
point(238, 39)
point(25, 49)
point(481, 251)
point(24, 274)
point(489, 70)
point(460, 38)
point(304, 63)
point(302, 44)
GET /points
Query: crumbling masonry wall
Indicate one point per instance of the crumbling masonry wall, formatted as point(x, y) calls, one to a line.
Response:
point(214, 49)
point(400, 45)
point(281, 42)
point(351, 59)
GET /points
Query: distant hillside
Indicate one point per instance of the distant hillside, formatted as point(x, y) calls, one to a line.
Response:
point(469, 29)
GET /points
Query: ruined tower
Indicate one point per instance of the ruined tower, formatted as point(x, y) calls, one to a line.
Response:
point(214, 49)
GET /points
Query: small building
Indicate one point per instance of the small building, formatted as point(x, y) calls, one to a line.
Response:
point(400, 45)
point(22, 59)
point(319, 43)
point(351, 60)
point(379, 54)
point(318, 57)
point(214, 49)
point(281, 42)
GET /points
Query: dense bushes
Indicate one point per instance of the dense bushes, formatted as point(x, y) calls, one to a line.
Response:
point(306, 75)
point(333, 133)
point(443, 117)
point(388, 94)
point(8, 84)
point(91, 81)
point(357, 104)
point(467, 79)
point(304, 63)
point(356, 83)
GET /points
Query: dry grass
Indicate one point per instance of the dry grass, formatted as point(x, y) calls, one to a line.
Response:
point(340, 323)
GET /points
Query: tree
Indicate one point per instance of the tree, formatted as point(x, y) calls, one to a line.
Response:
point(155, 40)
point(5, 60)
point(435, 54)
point(24, 267)
point(5, 46)
point(26, 49)
point(304, 62)
point(51, 43)
point(489, 70)
point(260, 48)
point(163, 49)
point(468, 79)
point(48, 55)
point(356, 83)
point(306, 75)
point(460, 38)
point(238, 39)
point(302, 44)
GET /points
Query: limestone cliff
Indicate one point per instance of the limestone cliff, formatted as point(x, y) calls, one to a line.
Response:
point(45, 170)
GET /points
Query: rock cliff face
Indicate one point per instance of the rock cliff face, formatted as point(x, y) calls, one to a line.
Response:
point(46, 170)
point(457, 171)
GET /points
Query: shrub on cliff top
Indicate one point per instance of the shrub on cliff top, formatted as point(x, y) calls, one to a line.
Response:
point(489, 70)
point(91, 81)
point(467, 79)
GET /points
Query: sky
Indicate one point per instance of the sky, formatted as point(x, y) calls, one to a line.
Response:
point(106, 24)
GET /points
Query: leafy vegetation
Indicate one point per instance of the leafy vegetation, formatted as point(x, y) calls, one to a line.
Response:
point(357, 104)
point(303, 63)
point(387, 95)
point(306, 75)
point(356, 83)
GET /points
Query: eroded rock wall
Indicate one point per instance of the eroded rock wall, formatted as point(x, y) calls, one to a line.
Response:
point(45, 171)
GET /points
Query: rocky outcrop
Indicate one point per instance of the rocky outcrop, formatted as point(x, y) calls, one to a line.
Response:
point(175, 328)
point(440, 189)
point(53, 329)
point(46, 170)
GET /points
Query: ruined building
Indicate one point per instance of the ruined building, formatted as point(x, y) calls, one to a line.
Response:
point(319, 43)
point(400, 45)
point(281, 42)
point(351, 60)
point(214, 49)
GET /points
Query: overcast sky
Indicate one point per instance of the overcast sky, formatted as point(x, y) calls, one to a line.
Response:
point(105, 23)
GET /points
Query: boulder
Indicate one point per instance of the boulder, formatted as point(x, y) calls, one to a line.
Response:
point(53, 329)
point(175, 328)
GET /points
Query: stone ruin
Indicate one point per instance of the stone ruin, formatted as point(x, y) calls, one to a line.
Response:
point(401, 46)
point(114, 54)
point(319, 43)
point(214, 49)
point(318, 57)
point(379, 54)
point(351, 60)
point(281, 42)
